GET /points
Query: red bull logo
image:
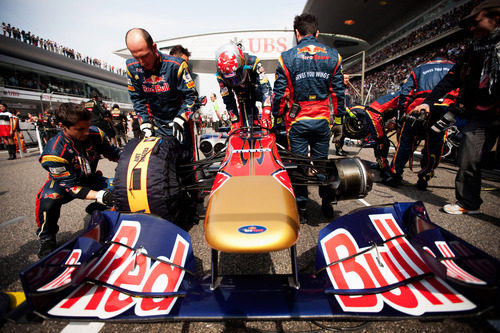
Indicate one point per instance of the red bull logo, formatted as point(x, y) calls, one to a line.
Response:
point(52, 196)
point(157, 83)
point(252, 229)
point(395, 261)
point(122, 267)
point(153, 79)
point(311, 49)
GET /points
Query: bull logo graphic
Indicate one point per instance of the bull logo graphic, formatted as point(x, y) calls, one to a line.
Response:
point(311, 49)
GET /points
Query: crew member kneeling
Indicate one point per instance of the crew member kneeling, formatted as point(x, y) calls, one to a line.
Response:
point(71, 159)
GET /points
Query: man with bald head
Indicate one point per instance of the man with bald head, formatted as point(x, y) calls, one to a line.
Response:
point(161, 88)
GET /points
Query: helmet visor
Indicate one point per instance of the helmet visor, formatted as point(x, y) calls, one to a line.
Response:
point(235, 78)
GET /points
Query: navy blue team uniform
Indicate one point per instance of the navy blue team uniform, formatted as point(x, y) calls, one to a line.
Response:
point(72, 167)
point(413, 92)
point(255, 88)
point(373, 118)
point(163, 94)
point(309, 74)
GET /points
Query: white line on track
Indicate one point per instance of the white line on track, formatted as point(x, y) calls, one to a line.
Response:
point(14, 220)
point(83, 327)
point(364, 202)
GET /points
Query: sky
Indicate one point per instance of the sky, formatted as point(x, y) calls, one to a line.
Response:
point(97, 28)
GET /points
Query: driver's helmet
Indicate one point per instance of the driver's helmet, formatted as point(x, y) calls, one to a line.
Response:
point(231, 64)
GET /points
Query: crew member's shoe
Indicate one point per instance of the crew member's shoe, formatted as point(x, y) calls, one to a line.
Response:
point(302, 212)
point(393, 180)
point(92, 207)
point(422, 183)
point(455, 209)
point(340, 152)
point(47, 245)
point(384, 174)
point(12, 152)
point(327, 209)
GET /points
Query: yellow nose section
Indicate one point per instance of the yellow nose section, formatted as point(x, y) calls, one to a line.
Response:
point(251, 214)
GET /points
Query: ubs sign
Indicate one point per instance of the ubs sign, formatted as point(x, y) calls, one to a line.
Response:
point(267, 45)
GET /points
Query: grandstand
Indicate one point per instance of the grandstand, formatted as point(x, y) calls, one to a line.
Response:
point(414, 32)
point(33, 79)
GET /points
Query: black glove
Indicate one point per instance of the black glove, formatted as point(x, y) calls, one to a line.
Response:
point(178, 128)
point(105, 197)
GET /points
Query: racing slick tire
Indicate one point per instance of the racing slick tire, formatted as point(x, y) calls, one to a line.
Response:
point(146, 178)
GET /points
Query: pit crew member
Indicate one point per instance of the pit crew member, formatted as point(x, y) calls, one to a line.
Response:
point(243, 75)
point(71, 158)
point(414, 90)
point(161, 89)
point(307, 76)
point(371, 120)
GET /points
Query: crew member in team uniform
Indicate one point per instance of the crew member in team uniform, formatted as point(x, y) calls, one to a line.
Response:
point(164, 96)
point(161, 89)
point(71, 158)
point(242, 75)
point(307, 77)
point(414, 90)
point(372, 119)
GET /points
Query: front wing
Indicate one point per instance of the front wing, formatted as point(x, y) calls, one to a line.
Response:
point(376, 263)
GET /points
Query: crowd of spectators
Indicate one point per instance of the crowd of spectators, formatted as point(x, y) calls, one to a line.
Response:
point(50, 45)
point(388, 77)
point(433, 29)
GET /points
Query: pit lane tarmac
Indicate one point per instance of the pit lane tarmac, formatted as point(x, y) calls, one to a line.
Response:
point(22, 178)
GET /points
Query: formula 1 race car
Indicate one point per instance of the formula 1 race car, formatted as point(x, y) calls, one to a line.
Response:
point(386, 262)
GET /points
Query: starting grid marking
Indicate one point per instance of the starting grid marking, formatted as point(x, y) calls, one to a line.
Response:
point(83, 327)
point(14, 220)
point(363, 201)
